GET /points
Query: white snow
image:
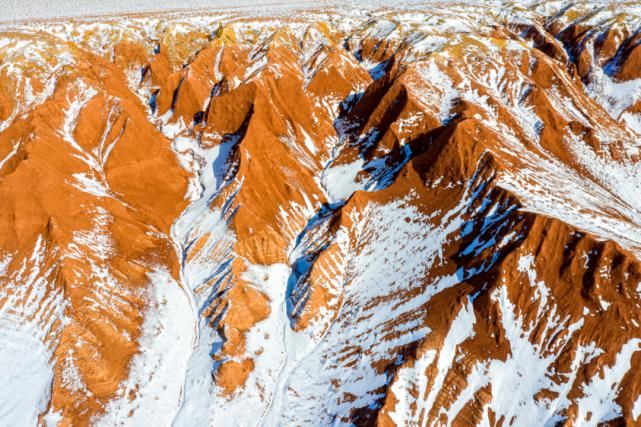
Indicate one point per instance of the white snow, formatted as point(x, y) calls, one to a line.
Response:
point(598, 404)
point(410, 379)
point(461, 329)
point(427, 389)
point(340, 182)
point(29, 308)
point(528, 367)
point(12, 153)
point(89, 184)
point(157, 372)
point(27, 377)
point(41, 9)
point(636, 408)
point(72, 114)
point(379, 257)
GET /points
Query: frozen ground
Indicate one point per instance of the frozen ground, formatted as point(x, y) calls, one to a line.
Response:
point(42, 9)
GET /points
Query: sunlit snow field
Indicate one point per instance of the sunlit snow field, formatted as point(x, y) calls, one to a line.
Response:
point(42, 9)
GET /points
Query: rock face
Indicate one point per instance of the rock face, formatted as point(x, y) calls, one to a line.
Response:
point(373, 217)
